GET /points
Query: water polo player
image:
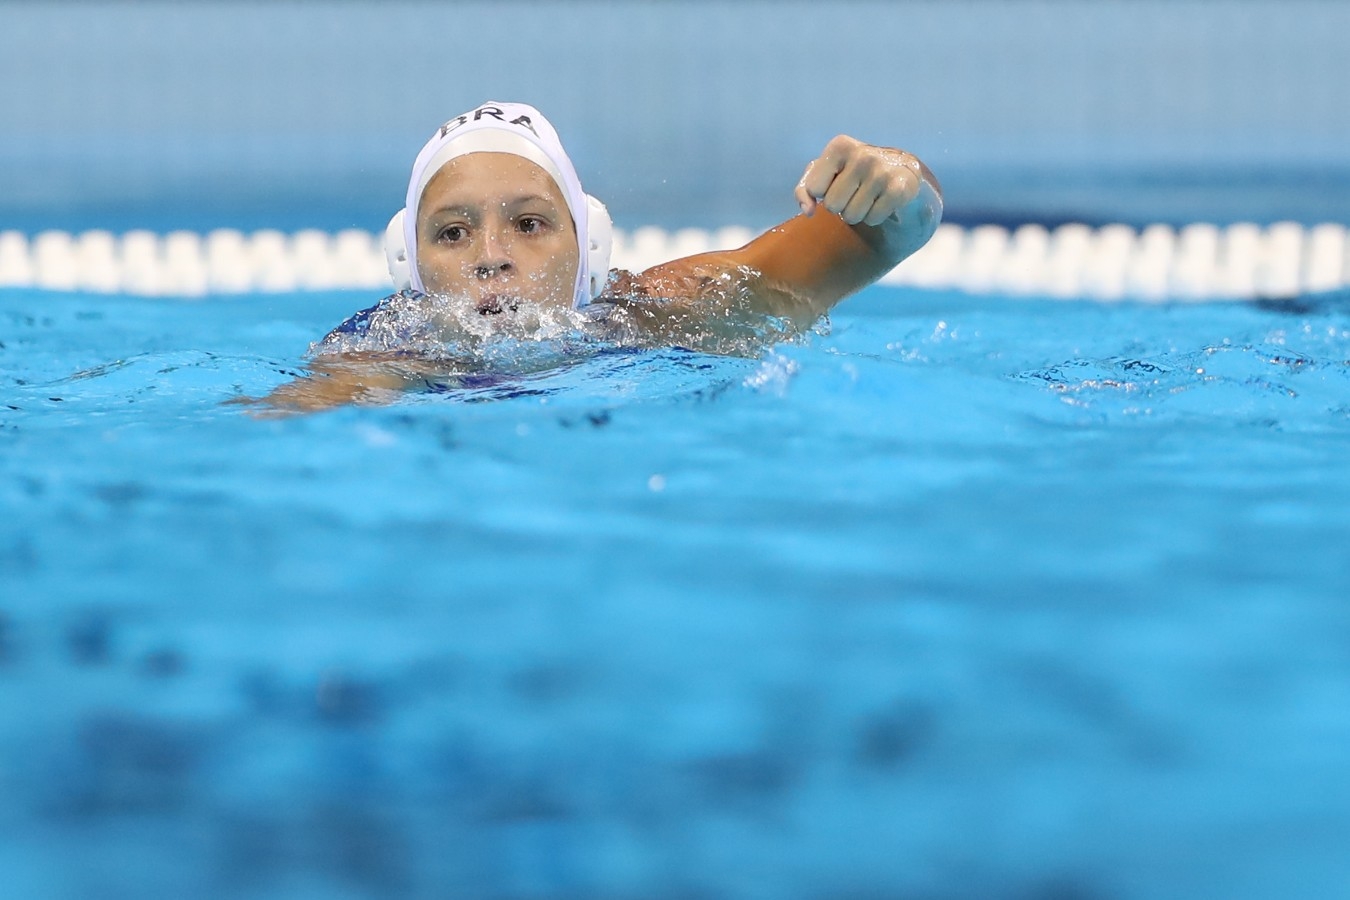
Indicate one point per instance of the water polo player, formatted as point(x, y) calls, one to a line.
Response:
point(496, 221)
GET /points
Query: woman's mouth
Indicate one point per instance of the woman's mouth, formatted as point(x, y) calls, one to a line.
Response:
point(494, 304)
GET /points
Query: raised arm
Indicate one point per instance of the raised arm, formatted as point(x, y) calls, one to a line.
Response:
point(883, 204)
point(864, 209)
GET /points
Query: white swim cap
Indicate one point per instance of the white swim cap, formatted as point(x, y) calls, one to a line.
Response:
point(522, 131)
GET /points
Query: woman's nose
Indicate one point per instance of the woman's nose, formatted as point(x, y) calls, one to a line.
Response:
point(494, 256)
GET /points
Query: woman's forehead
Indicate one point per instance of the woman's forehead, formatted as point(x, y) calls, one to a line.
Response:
point(490, 177)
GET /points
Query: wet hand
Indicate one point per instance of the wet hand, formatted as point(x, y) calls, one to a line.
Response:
point(861, 183)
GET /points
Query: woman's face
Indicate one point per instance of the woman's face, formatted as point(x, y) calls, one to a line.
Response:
point(494, 227)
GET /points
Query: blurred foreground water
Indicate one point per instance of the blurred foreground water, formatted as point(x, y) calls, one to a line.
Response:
point(966, 598)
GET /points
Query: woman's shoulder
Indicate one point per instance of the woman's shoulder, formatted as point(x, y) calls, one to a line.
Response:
point(689, 278)
point(359, 323)
point(711, 302)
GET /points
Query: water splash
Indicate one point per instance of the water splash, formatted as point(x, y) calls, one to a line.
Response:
point(720, 315)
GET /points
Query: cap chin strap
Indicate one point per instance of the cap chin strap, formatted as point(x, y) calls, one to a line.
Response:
point(599, 227)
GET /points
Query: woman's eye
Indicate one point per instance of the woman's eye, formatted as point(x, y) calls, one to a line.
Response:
point(530, 225)
point(452, 233)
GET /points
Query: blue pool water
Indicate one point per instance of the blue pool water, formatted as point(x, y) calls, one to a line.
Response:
point(968, 597)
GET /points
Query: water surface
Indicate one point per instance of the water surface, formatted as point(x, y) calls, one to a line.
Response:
point(966, 597)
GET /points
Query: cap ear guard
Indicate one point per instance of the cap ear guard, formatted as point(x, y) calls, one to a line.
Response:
point(396, 253)
point(600, 242)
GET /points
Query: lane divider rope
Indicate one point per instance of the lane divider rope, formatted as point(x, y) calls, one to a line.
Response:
point(1114, 262)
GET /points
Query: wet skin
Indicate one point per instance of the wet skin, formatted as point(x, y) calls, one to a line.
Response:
point(495, 228)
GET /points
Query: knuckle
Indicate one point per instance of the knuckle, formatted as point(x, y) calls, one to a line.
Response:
point(841, 142)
